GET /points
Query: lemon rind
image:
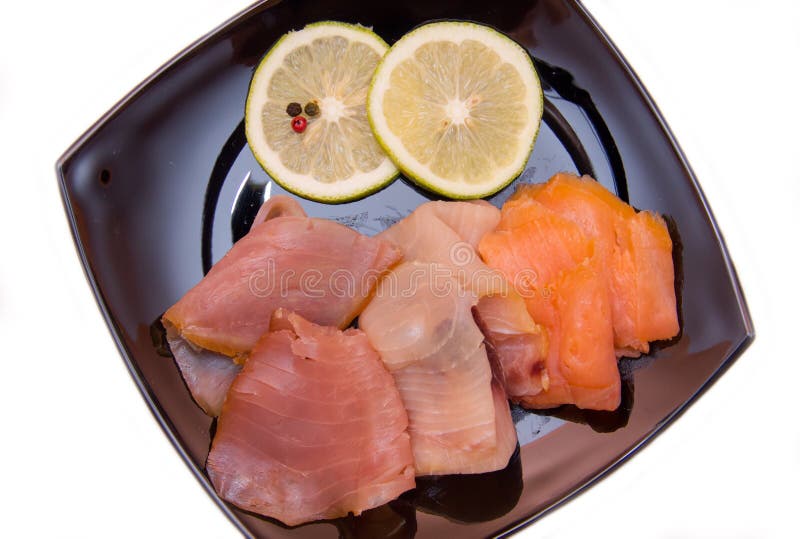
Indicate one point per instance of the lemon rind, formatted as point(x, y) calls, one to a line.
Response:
point(408, 165)
point(304, 185)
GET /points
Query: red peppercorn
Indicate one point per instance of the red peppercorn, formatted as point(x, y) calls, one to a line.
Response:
point(299, 124)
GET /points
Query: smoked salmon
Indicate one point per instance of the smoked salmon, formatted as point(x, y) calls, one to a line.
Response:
point(581, 364)
point(562, 294)
point(312, 428)
point(597, 274)
point(635, 252)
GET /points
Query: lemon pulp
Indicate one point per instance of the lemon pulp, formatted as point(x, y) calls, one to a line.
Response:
point(457, 106)
point(336, 157)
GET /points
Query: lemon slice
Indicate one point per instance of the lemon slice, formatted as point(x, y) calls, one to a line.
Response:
point(457, 106)
point(335, 158)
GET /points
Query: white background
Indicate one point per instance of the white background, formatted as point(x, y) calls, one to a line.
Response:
point(80, 454)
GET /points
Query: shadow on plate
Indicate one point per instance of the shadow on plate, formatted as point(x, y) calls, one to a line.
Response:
point(469, 498)
point(601, 421)
point(394, 520)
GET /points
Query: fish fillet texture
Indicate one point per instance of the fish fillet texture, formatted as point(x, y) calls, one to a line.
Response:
point(320, 269)
point(433, 348)
point(598, 276)
point(208, 375)
point(313, 427)
point(581, 363)
point(634, 251)
point(533, 240)
point(448, 233)
point(516, 345)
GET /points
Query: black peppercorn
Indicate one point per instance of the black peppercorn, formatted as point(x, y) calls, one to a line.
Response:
point(312, 109)
point(294, 109)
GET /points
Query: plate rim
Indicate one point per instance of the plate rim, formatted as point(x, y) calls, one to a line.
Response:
point(164, 421)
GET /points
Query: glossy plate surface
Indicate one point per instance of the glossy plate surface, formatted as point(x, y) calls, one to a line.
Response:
point(164, 183)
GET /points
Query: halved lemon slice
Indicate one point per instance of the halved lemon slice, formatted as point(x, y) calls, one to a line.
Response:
point(329, 154)
point(457, 106)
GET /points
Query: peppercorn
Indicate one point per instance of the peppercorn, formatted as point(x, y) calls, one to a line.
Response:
point(299, 124)
point(294, 109)
point(312, 109)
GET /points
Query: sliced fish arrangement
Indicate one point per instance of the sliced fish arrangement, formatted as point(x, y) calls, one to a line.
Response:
point(296, 441)
point(345, 370)
point(601, 281)
point(461, 307)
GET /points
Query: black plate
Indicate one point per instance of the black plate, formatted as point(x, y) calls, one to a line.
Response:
point(159, 188)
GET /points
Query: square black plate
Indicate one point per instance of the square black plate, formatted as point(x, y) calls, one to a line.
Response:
point(160, 187)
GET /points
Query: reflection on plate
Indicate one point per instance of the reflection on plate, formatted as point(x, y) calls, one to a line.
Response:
point(160, 188)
